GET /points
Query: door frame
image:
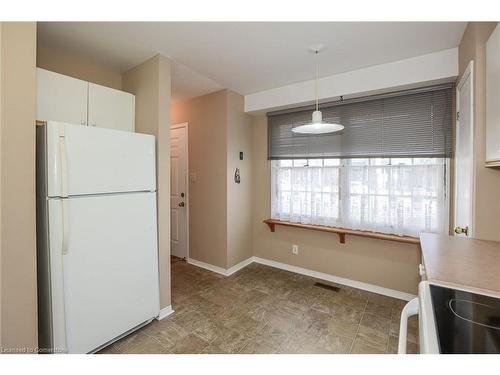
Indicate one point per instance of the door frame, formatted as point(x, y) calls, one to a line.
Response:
point(468, 74)
point(178, 126)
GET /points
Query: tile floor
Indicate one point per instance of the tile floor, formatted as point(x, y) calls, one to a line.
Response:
point(261, 309)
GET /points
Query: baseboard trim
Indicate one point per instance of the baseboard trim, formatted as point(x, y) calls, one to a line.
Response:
point(207, 266)
point(166, 311)
point(239, 266)
point(336, 279)
point(220, 270)
point(304, 271)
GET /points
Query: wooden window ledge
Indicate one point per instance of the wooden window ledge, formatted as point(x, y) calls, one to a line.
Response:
point(343, 231)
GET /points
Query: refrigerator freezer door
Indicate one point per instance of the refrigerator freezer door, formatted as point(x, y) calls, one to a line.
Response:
point(110, 271)
point(92, 160)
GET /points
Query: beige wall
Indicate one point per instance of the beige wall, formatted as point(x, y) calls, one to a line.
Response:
point(219, 209)
point(387, 264)
point(487, 181)
point(71, 65)
point(226, 218)
point(207, 145)
point(239, 196)
point(17, 186)
point(150, 83)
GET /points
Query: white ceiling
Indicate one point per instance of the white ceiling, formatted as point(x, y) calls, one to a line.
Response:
point(247, 57)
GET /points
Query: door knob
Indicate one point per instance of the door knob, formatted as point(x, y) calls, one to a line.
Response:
point(460, 230)
point(181, 204)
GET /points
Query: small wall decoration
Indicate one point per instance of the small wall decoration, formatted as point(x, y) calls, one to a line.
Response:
point(237, 177)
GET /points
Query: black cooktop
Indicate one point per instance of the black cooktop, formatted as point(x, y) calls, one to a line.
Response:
point(466, 322)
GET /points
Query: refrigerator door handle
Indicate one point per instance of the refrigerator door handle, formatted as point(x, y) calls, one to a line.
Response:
point(65, 226)
point(64, 161)
point(64, 188)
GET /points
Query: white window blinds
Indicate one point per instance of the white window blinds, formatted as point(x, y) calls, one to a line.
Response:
point(416, 123)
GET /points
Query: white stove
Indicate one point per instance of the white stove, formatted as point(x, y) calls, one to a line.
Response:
point(453, 321)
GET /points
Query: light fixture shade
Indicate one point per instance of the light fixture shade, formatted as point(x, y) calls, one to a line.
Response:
point(317, 126)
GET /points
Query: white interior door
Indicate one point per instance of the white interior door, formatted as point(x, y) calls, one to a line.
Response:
point(61, 98)
point(110, 108)
point(464, 159)
point(110, 270)
point(178, 190)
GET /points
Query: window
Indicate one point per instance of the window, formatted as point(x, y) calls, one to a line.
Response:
point(387, 171)
point(392, 195)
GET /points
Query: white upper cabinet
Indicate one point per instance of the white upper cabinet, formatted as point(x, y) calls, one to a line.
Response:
point(61, 98)
point(110, 108)
point(492, 99)
point(67, 99)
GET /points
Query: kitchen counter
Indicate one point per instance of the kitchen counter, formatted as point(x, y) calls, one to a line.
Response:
point(462, 262)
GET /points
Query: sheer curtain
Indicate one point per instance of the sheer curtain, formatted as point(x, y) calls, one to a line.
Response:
point(306, 192)
point(401, 196)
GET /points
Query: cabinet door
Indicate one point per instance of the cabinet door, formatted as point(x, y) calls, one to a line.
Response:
point(61, 98)
point(110, 108)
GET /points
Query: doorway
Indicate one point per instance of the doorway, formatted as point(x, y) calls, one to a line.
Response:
point(464, 160)
point(179, 194)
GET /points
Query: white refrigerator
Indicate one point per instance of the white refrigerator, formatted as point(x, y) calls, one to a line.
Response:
point(96, 235)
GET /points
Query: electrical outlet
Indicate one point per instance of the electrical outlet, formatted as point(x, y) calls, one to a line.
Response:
point(295, 249)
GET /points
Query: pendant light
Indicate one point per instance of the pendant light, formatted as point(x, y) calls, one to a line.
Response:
point(317, 125)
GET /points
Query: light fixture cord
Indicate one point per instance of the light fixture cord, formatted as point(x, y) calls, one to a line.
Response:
point(317, 77)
